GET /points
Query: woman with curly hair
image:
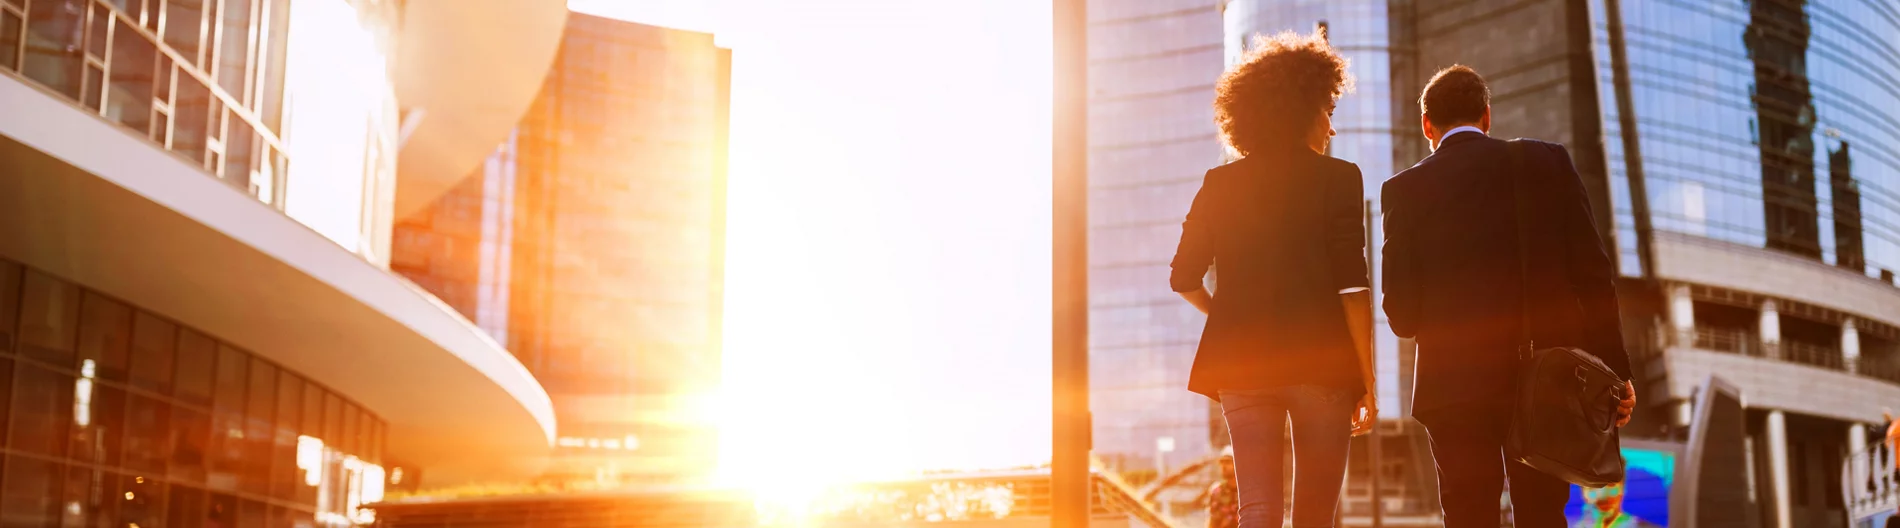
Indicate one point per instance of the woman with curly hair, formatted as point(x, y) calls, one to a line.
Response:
point(1289, 331)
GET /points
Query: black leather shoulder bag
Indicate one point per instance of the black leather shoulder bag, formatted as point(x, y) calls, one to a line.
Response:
point(1564, 419)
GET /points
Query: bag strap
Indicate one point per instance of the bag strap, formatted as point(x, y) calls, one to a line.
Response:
point(1522, 200)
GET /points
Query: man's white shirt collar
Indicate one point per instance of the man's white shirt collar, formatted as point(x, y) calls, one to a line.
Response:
point(1455, 131)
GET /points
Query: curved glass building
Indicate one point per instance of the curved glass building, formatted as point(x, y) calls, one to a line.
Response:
point(197, 322)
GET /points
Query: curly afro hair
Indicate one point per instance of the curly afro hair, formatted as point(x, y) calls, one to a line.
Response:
point(1278, 89)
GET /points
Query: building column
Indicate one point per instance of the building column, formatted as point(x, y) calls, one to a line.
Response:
point(1777, 429)
point(1770, 329)
point(1681, 315)
point(1856, 443)
point(1850, 345)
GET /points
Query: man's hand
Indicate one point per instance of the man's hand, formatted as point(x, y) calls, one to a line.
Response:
point(1366, 415)
point(1626, 405)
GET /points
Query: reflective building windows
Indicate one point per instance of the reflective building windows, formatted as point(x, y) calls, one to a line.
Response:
point(1767, 123)
point(183, 73)
point(1152, 67)
point(115, 416)
point(588, 245)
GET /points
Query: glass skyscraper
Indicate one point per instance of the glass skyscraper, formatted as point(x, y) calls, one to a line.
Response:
point(1741, 158)
point(1152, 67)
point(590, 245)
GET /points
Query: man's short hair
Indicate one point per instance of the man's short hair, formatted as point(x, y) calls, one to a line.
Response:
point(1456, 96)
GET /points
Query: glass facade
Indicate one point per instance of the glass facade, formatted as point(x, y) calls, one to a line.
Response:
point(1769, 123)
point(1359, 30)
point(209, 81)
point(590, 245)
point(116, 416)
point(1152, 67)
point(201, 78)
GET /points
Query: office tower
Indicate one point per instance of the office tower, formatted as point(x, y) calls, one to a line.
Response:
point(1701, 131)
point(590, 244)
point(1152, 67)
point(197, 326)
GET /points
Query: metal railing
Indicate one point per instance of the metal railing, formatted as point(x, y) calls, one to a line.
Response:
point(1727, 340)
point(1873, 482)
point(1878, 369)
point(1735, 341)
point(107, 58)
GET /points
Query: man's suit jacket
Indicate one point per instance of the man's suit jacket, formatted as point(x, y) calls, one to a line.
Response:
point(1451, 272)
point(1284, 231)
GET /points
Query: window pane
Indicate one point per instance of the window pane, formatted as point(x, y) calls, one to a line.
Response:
point(42, 409)
point(85, 500)
point(234, 62)
point(96, 33)
point(6, 391)
point(27, 497)
point(148, 428)
point(11, 28)
point(313, 397)
point(190, 434)
point(270, 100)
point(227, 419)
point(105, 336)
point(237, 155)
point(348, 435)
point(284, 476)
point(332, 420)
point(222, 511)
point(153, 342)
point(258, 435)
point(187, 508)
point(130, 102)
point(161, 127)
point(55, 32)
point(142, 500)
point(191, 115)
point(9, 301)
point(184, 27)
point(251, 513)
point(192, 380)
point(49, 309)
point(99, 412)
point(312, 410)
point(95, 87)
point(162, 85)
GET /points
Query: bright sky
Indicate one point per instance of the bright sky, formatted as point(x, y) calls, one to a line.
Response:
point(888, 247)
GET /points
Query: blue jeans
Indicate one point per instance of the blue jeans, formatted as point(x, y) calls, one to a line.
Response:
point(1322, 431)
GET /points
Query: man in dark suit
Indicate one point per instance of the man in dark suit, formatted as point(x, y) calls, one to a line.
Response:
point(1451, 279)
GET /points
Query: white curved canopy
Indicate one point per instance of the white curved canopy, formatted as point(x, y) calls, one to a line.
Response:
point(466, 72)
point(98, 205)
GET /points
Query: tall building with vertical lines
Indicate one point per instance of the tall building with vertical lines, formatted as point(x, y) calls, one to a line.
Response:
point(590, 244)
point(1152, 67)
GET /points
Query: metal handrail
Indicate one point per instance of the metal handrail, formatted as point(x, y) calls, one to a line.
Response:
point(1872, 481)
point(1742, 342)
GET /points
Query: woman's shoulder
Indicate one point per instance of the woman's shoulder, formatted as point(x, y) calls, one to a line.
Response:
point(1288, 159)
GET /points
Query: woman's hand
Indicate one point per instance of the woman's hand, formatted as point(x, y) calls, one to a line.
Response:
point(1366, 415)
